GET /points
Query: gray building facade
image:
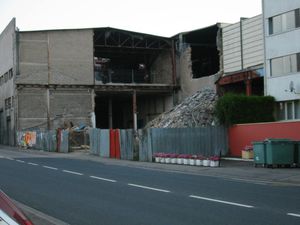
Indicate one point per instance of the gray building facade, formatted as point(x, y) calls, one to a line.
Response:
point(98, 77)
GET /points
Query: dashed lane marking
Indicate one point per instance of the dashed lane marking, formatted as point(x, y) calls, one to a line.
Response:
point(293, 214)
point(104, 179)
point(50, 167)
point(72, 172)
point(20, 161)
point(9, 158)
point(220, 201)
point(149, 188)
point(33, 164)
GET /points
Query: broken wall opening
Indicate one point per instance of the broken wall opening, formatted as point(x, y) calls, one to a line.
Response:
point(128, 57)
point(204, 51)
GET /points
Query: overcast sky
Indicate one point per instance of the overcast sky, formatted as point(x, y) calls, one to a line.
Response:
point(158, 17)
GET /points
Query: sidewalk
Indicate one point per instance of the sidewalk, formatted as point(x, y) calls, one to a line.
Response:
point(230, 169)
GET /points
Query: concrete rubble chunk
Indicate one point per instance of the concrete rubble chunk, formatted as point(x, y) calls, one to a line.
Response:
point(195, 111)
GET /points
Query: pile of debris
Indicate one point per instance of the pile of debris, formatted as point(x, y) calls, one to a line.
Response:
point(195, 111)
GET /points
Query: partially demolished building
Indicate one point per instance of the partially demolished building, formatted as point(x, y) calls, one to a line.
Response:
point(243, 57)
point(99, 77)
point(199, 54)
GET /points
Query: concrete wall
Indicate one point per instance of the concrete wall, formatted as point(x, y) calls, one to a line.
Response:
point(161, 69)
point(56, 57)
point(71, 105)
point(32, 108)
point(243, 44)
point(188, 84)
point(277, 45)
point(65, 106)
point(151, 106)
point(7, 62)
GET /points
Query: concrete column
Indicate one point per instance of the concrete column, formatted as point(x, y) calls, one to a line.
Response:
point(48, 108)
point(134, 110)
point(110, 116)
point(248, 87)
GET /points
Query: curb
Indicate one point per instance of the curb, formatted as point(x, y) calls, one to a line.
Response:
point(37, 217)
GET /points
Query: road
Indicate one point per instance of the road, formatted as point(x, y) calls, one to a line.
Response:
point(82, 192)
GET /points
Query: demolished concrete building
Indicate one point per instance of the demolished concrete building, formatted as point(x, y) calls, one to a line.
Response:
point(99, 77)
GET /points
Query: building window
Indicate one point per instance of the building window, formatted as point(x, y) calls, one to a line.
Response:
point(280, 111)
point(288, 110)
point(297, 109)
point(6, 77)
point(10, 74)
point(7, 103)
point(284, 22)
point(285, 65)
point(297, 17)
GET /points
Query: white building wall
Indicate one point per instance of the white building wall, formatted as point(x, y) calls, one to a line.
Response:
point(253, 46)
point(275, 7)
point(232, 48)
point(277, 45)
point(243, 44)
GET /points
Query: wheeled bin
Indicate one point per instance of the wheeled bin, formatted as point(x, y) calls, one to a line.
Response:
point(259, 153)
point(279, 152)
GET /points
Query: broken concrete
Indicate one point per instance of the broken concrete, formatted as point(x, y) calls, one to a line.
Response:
point(195, 111)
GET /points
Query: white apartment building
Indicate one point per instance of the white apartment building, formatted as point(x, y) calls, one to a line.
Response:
point(282, 55)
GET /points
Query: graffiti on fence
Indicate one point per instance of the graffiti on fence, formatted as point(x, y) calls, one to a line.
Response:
point(27, 139)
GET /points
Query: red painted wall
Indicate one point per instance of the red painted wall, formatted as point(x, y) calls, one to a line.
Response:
point(244, 134)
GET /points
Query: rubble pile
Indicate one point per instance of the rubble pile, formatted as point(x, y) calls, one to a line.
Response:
point(195, 111)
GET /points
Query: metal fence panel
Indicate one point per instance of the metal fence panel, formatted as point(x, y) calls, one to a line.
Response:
point(145, 145)
point(39, 140)
point(64, 141)
point(52, 141)
point(206, 141)
point(104, 143)
point(126, 142)
point(94, 141)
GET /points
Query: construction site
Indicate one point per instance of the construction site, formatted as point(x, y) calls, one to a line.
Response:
point(100, 77)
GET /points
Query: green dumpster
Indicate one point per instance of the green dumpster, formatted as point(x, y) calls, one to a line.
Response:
point(279, 152)
point(297, 153)
point(259, 153)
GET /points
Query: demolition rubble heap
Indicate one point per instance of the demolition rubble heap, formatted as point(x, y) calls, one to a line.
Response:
point(195, 111)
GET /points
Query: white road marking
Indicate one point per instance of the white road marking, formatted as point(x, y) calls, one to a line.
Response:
point(72, 172)
point(50, 167)
point(9, 158)
point(20, 161)
point(149, 188)
point(33, 164)
point(220, 201)
point(1, 157)
point(104, 179)
point(293, 214)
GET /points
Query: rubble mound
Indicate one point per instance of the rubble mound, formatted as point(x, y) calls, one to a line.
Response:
point(195, 111)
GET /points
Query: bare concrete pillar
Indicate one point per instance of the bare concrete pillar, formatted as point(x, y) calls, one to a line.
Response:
point(110, 116)
point(134, 110)
point(48, 109)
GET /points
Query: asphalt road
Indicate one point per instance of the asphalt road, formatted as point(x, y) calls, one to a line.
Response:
point(81, 192)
